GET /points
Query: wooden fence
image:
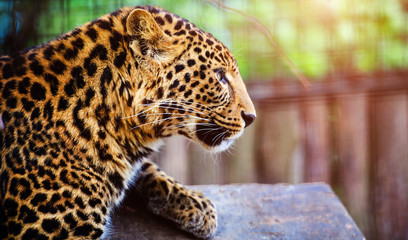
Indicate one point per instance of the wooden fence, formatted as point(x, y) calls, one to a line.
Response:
point(350, 132)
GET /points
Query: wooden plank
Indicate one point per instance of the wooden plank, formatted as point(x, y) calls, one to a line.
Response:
point(189, 163)
point(205, 167)
point(278, 144)
point(390, 166)
point(173, 158)
point(240, 158)
point(264, 92)
point(251, 211)
point(316, 141)
point(352, 138)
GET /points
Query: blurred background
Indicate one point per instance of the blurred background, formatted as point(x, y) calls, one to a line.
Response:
point(349, 129)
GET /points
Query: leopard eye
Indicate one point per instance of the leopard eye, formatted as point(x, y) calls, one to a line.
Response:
point(220, 75)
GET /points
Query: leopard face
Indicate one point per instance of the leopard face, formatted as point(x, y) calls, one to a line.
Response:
point(80, 114)
point(197, 88)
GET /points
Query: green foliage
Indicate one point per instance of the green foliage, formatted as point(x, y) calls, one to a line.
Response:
point(320, 36)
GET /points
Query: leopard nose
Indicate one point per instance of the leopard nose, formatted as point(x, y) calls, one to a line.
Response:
point(248, 118)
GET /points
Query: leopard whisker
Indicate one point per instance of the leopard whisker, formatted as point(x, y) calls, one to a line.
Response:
point(202, 124)
point(193, 109)
point(152, 114)
point(154, 122)
point(219, 136)
point(135, 115)
point(163, 120)
point(182, 103)
point(210, 130)
point(209, 125)
point(177, 105)
point(176, 100)
point(179, 108)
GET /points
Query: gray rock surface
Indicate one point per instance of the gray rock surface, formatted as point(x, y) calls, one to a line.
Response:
point(250, 211)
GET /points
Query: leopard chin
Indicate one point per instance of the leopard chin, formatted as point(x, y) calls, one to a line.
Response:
point(216, 139)
point(224, 145)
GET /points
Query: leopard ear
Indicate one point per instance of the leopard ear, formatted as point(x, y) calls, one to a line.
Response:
point(141, 23)
point(149, 38)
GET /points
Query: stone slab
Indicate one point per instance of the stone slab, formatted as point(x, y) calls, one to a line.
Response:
point(250, 211)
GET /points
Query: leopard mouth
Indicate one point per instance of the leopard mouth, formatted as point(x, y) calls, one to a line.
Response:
point(213, 136)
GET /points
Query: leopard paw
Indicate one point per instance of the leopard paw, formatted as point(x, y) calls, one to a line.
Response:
point(190, 210)
point(197, 214)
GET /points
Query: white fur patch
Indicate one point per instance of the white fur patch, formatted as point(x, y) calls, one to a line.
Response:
point(156, 145)
point(225, 144)
point(1, 123)
point(107, 231)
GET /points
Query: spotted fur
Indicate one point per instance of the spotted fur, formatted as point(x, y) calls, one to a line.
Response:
point(79, 114)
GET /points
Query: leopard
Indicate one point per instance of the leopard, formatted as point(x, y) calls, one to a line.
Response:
point(80, 114)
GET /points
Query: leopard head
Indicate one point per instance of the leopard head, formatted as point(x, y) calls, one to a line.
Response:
point(189, 81)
